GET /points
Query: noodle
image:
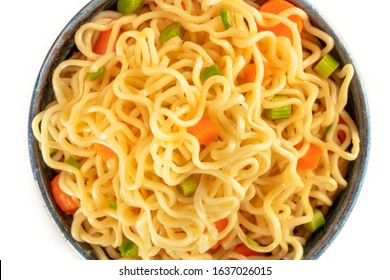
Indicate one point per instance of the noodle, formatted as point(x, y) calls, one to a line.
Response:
point(152, 92)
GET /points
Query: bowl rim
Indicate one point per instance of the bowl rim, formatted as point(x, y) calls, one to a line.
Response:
point(343, 205)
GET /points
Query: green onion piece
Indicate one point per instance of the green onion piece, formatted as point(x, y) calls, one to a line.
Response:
point(210, 71)
point(225, 16)
point(317, 221)
point(279, 113)
point(112, 204)
point(252, 242)
point(326, 131)
point(188, 186)
point(73, 162)
point(327, 65)
point(127, 7)
point(96, 75)
point(172, 30)
point(128, 248)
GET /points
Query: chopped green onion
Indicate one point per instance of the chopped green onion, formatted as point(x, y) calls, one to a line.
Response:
point(326, 131)
point(112, 204)
point(225, 16)
point(172, 30)
point(252, 242)
point(73, 162)
point(96, 75)
point(210, 71)
point(327, 65)
point(127, 7)
point(317, 221)
point(278, 113)
point(128, 248)
point(188, 186)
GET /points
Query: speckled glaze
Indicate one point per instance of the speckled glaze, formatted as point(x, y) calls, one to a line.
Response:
point(357, 107)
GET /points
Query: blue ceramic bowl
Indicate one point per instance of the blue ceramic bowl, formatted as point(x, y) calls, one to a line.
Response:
point(357, 107)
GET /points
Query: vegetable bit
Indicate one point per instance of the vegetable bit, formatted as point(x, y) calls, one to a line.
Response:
point(172, 30)
point(101, 44)
point(252, 242)
point(92, 76)
point(281, 112)
point(188, 186)
point(221, 224)
point(105, 152)
point(63, 200)
point(73, 162)
point(246, 251)
point(327, 129)
point(206, 131)
point(311, 159)
point(317, 221)
point(341, 134)
point(127, 7)
point(213, 70)
point(128, 248)
point(276, 7)
point(250, 72)
point(327, 65)
point(225, 17)
point(112, 204)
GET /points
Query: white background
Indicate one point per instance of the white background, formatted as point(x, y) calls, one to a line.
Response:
point(29, 237)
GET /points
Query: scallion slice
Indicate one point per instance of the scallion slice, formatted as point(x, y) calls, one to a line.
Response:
point(225, 16)
point(172, 30)
point(252, 242)
point(317, 221)
point(96, 75)
point(327, 129)
point(112, 204)
point(278, 113)
point(128, 248)
point(127, 7)
point(210, 71)
point(73, 162)
point(327, 65)
point(188, 186)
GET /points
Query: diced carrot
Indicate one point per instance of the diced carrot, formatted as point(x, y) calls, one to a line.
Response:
point(341, 134)
point(63, 200)
point(206, 131)
point(311, 159)
point(221, 224)
point(250, 72)
point(275, 7)
point(105, 152)
point(245, 251)
point(100, 46)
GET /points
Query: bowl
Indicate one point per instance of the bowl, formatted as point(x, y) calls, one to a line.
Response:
point(357, 106)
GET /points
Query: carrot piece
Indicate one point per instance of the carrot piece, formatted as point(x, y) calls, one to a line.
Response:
point(250, 72)
point(275, 7)
point(100, 46)
point(221, 224)
point(341, 134)
point(206, 131)
point(105, 152)
point(246, 251)
point(63, 200)
point(312, 157)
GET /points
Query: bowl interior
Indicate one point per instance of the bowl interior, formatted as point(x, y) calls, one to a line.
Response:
point(357, 107)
